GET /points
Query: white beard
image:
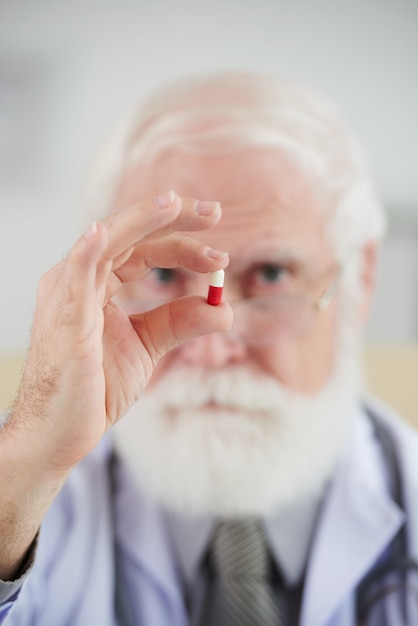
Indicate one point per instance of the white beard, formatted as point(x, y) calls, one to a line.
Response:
point(232, 443)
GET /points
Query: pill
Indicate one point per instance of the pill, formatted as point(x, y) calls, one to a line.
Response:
point(216, 284)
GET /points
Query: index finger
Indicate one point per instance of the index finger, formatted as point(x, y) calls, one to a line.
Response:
point(155, 218)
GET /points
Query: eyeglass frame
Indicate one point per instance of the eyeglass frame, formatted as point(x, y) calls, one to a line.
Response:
point(319, 304)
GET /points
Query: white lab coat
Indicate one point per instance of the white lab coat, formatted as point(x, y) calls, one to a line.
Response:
point(72, 580)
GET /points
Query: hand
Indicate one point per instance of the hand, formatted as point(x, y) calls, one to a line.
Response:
point(88, 361)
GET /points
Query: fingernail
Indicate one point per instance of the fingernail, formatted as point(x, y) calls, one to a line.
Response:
point(91, 231)
point(164, 200)
point(216, 254)
point(205, 208)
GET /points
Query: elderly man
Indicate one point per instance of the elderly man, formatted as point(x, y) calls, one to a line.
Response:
point(251, 483)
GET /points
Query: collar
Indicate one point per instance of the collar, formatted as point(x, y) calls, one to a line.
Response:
point(190, 537)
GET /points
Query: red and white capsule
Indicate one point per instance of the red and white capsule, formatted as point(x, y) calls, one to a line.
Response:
point(216, 287)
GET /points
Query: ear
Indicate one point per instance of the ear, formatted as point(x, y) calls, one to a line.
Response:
point(368, 266)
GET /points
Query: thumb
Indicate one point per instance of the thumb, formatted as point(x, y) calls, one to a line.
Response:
point(178, 321)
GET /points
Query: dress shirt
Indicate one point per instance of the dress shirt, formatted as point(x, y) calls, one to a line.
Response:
point(190, 538)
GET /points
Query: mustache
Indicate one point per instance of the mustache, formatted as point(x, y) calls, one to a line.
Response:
point(234, 388)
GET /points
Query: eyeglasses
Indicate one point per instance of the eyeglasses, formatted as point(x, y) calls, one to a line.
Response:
point(268, 319)
point(265, 319)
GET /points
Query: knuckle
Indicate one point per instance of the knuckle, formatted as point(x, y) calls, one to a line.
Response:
point(48, 281)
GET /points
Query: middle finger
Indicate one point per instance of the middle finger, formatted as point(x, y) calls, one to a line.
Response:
point(147, 221)
point(170, 252)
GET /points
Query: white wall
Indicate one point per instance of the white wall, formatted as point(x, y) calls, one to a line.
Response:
point(93, 60)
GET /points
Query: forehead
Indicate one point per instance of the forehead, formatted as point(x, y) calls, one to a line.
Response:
point(267, 199)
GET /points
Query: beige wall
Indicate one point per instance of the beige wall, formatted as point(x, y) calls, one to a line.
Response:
point(10, 369)
point(391, 372)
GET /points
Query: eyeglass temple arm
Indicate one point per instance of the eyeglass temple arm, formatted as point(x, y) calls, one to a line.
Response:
point(328, 296)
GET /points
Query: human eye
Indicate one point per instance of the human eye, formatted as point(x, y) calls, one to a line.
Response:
point(270, 273)
point(267, 279)
point(170, 282)
point(164, 275)
point(158, 286)
point(163, 284)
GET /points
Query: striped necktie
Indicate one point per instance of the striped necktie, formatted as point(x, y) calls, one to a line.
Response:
point(240, 593)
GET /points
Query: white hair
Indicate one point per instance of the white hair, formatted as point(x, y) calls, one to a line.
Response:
point(228, 112)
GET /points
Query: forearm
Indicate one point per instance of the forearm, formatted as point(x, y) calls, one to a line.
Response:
point(26, 494)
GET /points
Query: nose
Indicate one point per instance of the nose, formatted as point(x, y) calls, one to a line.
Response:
point(214, 351)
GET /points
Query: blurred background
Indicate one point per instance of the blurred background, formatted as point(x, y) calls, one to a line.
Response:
point(69, 68)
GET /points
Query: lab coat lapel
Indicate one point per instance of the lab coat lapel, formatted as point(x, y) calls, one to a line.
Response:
point(358, 521)
point(406, 441)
